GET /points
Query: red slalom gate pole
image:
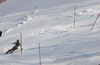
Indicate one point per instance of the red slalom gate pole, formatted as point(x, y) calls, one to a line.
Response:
point(21, 41)
point(95, 22)
point(0, 1)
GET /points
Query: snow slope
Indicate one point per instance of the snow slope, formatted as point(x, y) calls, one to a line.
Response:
point(50, 23)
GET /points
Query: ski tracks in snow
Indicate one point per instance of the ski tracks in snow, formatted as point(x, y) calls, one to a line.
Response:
point(79, 33)
point(23, 20)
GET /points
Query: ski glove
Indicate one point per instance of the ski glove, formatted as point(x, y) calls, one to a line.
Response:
point(22, 49)
point(13, 42)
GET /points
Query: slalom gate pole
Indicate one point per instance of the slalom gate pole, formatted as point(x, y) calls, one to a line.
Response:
point(39, 54)
point(95, 21)
point(74, 14)
point(21, 41)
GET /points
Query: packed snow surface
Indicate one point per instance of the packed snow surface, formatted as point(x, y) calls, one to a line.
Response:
point(50, 23)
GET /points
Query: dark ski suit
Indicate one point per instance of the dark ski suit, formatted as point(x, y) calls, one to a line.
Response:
point(15, 47)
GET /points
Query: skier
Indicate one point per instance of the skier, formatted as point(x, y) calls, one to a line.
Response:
point(0, 33)
point(17, 43)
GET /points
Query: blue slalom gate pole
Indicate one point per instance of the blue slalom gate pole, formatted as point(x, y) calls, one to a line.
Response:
point(74, 14)
point(39, 54)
